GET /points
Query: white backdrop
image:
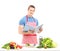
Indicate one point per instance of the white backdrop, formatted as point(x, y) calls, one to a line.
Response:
point(11, 11)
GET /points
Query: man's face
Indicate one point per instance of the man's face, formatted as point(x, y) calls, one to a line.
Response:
point(31, 11)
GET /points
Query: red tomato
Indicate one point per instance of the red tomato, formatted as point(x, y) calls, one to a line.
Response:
point(18, 46)
point(12, 43)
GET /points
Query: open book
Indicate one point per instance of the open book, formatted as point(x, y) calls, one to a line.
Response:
point(35, 29)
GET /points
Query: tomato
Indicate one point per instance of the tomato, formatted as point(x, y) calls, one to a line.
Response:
point(18, 46)
point(12, 43)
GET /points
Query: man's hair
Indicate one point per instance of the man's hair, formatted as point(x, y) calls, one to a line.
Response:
point(31, 6)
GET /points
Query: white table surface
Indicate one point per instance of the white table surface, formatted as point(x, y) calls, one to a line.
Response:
point(32, 49)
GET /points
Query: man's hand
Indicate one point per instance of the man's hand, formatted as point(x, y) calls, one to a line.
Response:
point(31, 31)
point(40, 30)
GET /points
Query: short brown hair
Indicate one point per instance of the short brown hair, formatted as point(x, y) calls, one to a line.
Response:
point(31, 6)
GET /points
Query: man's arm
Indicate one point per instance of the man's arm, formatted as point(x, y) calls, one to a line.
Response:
point(20, 30)
point(40, 28)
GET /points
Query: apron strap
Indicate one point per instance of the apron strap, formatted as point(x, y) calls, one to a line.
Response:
point(27, 18)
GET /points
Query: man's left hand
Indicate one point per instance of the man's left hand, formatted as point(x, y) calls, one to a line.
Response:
point(40, 30)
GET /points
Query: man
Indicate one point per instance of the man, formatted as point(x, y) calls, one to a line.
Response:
point(29, 37)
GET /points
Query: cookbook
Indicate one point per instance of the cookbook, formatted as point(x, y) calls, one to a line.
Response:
point(35, 29)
